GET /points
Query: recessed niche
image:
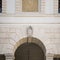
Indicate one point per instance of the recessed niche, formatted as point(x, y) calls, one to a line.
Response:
point(29, 5)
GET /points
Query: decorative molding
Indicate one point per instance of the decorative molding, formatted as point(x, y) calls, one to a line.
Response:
point(34, 40)
point(28, 15)
point(29, 31)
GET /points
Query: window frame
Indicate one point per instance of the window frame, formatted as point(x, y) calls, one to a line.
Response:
point(58, 6)
point(4, 6)
point(40, 10)
point(1, 6)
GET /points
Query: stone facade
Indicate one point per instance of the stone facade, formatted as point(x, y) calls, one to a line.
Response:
point(45, 7)
point(49, 34)
point(45, 25)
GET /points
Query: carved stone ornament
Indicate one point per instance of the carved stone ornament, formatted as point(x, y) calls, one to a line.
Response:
point(29, 31)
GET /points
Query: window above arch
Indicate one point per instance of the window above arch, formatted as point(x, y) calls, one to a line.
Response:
point(30, 5)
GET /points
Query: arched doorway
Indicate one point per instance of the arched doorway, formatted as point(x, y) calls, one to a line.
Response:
point(30, 51)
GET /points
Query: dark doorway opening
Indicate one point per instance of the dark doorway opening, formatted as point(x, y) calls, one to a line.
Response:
point(2, 57)
point(56, 58)
point(58, 6)
point(0, 6)
point(30, 51)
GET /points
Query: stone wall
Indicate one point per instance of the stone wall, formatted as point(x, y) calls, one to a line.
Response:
point(49, 34)
point(46, 27)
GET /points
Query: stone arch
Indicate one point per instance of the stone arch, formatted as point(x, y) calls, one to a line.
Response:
point(34, 40)
point(41, 50)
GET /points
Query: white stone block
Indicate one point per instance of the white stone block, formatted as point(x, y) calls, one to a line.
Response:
point(4, 41)
point(10, 6)
point(49, 7)
point(11, 41)
point(3, 29)
point(3, 35)
point(12, 30)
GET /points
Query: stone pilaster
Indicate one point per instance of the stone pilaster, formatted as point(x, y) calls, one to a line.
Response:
point(42, 6)
point(49, 57)
point(9, 56)
point(18, 6)
point(4, 6)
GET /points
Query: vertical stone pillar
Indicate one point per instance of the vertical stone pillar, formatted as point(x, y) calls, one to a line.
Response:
point(29, 33)
point(4, 6)
point(10, 6)
point(9, 56)
point(49, 57)
point(42, 5)
point(18, 6)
